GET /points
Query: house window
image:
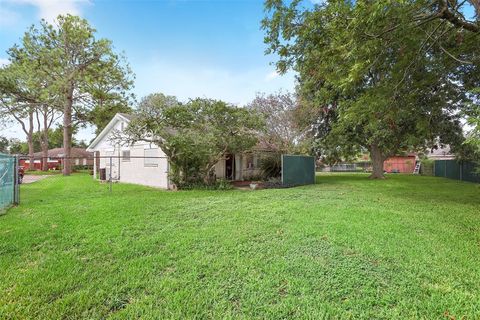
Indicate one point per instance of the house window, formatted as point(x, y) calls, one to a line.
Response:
point(126, 155)
point(151, 158)
point(84, 161)
point(250, 162)
point(77, 162)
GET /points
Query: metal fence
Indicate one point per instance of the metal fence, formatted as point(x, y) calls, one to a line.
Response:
point(458, 170)
point(9, 191)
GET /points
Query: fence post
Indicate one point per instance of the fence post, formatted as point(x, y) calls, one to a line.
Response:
point(460, 164)
point(110, 174)
point(16, 187)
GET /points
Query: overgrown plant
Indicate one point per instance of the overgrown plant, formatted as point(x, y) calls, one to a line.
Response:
point(194, 135)
point(271, 165)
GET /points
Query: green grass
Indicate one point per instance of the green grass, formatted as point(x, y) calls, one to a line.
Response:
point(348, 247)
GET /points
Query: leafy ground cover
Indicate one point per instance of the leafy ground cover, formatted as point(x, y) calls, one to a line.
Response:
point(347, 247)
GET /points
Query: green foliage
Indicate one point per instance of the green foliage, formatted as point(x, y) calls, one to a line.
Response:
point(67, 67)
point(219, 184)
point(271, 165)
point(55, 140)
point(427, 166)
point(4, 144)
point(194, 135)
point(383, 76)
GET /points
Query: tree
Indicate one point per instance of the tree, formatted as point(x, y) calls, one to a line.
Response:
point(383, 76)
point(194, 135)
point(20, 96)
point(55, 140)
point(4, 143)
point(16, 146)
point(281, 132)
point(79, 70)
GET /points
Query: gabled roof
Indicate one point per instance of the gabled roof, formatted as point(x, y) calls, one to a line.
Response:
point(118, 117)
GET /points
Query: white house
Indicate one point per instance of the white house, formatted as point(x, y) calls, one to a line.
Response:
point(143, 163)
point(146, 164)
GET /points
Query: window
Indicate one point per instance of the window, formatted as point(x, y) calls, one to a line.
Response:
point(151, 159)
point(126, 155)
point(84, 161)
point(250, 162)
point(77, 162)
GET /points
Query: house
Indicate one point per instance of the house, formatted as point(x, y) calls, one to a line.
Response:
point(442, 153)
point(146, 164)
point(78, 157)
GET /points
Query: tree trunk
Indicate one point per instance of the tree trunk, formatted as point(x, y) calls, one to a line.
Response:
point(377, 162)
point(67, 131)
point(31, 151)
point(45, 142)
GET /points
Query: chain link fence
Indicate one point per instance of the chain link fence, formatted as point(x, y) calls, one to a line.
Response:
point(144, 170)
point(9, 180)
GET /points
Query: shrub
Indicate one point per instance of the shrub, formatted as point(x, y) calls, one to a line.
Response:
point(271, 165)
point(427, 167)
point(220, 184)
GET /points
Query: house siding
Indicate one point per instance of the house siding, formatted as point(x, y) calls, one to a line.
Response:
point(132, 171)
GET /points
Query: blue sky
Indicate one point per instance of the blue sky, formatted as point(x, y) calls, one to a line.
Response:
point(184, 48)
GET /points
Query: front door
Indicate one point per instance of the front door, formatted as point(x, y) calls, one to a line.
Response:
point(229, 167)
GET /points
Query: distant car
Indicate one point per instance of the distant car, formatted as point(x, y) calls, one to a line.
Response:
point(21, 173)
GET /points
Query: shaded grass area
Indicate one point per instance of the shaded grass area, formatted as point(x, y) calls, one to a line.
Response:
point(348, 247)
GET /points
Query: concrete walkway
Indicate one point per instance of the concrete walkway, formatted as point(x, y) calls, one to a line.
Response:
point(32, 178)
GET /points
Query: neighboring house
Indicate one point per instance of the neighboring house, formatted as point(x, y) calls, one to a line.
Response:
point(78, 157)
point(441, 154)
point(146, 164)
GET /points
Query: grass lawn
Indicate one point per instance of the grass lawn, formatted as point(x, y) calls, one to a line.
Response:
point(348, 247)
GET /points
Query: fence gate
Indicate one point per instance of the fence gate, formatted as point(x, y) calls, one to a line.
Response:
point(298, 170)
point(8, 181)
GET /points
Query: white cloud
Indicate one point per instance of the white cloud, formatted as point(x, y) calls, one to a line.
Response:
point(4, 62)
point(194, 80)
point(50, 9)
point(271, 76)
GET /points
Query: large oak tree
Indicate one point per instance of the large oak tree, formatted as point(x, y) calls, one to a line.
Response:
point(384, 76)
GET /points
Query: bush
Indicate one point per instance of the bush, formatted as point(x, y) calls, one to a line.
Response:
point(427, 167)
point(220, 184)
point(271, 166)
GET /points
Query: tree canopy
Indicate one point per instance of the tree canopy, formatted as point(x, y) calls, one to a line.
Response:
point(194, 135)
point(73, 71)
point(384, 76)
point(278, 110)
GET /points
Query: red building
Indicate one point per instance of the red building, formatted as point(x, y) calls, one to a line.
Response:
point(400, 164)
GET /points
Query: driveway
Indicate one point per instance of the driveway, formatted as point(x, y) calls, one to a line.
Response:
point(30, 178)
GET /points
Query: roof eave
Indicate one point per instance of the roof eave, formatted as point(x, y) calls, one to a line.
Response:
point(108, 127)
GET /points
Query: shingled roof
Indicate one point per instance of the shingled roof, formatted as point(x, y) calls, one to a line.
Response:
point(60, 152)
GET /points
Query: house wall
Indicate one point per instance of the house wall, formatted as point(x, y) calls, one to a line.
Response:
point(246, 166)
point(134, 170)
